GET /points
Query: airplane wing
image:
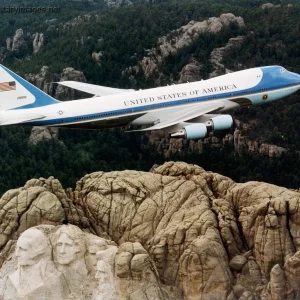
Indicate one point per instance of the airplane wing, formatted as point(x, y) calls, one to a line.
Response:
point(92, 88)
point(186, 114)
point(10, 119)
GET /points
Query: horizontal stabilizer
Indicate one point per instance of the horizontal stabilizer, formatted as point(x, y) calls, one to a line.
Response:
point(92, 88)
point(186, 114)
point(10, 119)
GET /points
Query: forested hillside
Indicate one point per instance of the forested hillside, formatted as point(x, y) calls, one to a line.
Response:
point(107, 43)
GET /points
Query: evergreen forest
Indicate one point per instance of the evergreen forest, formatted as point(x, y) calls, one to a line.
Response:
point(123, 34)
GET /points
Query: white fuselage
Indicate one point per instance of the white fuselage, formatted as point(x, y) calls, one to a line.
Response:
point(144, 107)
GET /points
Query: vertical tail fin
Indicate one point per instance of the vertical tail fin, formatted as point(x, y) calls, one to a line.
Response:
point(16, 92)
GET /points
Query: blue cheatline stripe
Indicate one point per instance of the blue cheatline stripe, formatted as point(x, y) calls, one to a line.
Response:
point(41, 98)
point(147, 108)
point(272, 80)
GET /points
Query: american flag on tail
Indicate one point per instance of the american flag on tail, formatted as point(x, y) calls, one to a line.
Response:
point(7, 86)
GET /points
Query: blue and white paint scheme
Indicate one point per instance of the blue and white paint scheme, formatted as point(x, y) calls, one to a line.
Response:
point(189, 110)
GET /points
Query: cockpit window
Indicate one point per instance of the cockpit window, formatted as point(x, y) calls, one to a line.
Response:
point(282, 70)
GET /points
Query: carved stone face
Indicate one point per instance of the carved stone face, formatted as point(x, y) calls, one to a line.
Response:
point(91, 255)
point(24, 252)
point(31, 246)
point(65, 250)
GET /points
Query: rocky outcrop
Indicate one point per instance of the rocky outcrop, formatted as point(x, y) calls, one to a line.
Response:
point(82, 41)
point(241, 143)
point(39, 134)
point(64, 93)
point(178, 232)
point(87, 18)
point(96, 56)
point(184, 36)
point(169, 146)
point(191, 72)
point(269, 5)
point(38, 41)
point(18, 40)
point(43, 80)
point(177, 40)
point(8, 44)
point(117, 3)
point(217, 54)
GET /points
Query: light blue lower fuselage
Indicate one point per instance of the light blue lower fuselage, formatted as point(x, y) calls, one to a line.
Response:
point(275, 83)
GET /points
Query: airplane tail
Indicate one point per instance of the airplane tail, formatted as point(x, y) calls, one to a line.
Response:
point(17, 93)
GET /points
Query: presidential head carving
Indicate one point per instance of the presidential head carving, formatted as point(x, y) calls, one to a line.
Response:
point(31, 246)
point(68, 244)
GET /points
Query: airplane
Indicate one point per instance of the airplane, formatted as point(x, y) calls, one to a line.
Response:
point(189, 110)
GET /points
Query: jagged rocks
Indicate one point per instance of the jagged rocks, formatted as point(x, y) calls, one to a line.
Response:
point(43, 80)
point(217, 54)
point(190, 72)
point(241, 143)
point(8, 44)
point(184, 36)
point(178, 232)
point(117, 3)
point(80, 20)
point(64, 93)
point(38, 41)
point(18, 40)
point(96, 56)
point(177, 40)
point(39, 134)
point(269, 5)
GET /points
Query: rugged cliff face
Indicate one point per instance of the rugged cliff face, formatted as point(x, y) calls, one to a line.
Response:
point(179, 39)
point(177, 232)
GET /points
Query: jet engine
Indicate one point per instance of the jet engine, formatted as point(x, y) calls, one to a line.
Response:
point(220, 122)
point(200, 130)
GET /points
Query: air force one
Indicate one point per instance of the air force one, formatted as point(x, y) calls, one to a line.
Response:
point(188, 110)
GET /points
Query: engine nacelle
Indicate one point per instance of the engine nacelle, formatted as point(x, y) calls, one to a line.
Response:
point(193, 131)
point(220, 122)
point(200, 130)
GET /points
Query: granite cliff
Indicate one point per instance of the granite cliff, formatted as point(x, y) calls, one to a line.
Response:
point(177, 232)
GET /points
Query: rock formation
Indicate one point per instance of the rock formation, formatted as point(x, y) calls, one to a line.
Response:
point(177, 232)
point(38, 41)
point(39, 133)
point(8, 44)
point(179, 39)
point(169, 146)
point(18, 40)
point(217, 54)
point(117, 3)
point(64, 93)
point(190, 72)
point(79, 20)
point(43, 80)
point(269, 5)
point(96, 56)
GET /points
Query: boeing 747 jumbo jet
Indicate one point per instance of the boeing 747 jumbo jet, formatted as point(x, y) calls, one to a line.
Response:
point(189, 110)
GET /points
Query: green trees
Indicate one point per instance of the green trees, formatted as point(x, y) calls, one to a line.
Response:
point(271, 37)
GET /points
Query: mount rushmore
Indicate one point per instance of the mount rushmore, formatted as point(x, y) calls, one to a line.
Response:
point(176, 232)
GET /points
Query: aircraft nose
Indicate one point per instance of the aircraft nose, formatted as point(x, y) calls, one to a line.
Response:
point(294, 77)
